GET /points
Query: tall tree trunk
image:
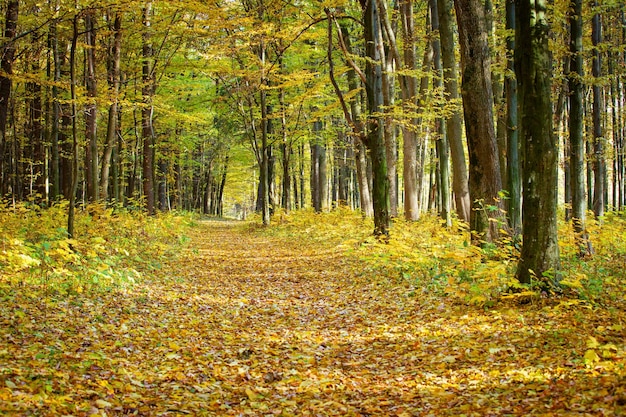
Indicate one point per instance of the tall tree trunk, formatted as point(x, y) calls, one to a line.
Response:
point(375, 123)
point(442, 147)
point(539, 260)
point(454, 124)
point(576, 128)
point(286, 151)
point(55, 160)
point(264, 177)
point(599, 162)
point(114, 88)
point(408, 85)
point(514, 185)
point(389, 131)
point(147, 129)
point(74, 114)
point(497, 86)
point(91, 115)
point(6, 64)
point(484, 167)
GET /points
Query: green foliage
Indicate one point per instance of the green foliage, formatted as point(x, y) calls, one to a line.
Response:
point(112, 248)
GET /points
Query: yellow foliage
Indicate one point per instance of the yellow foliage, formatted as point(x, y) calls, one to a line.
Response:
point(108, 247)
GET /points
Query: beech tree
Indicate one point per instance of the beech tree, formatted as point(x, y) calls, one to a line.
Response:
point(539, 259)
point(576, 127)
point(485, 182)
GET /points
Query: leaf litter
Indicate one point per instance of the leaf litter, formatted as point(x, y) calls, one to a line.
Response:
point(248, 324)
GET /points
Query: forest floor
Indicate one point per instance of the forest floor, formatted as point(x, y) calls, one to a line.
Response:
point(249, 324)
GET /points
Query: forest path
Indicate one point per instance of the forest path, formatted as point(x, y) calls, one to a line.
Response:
point(245, 324)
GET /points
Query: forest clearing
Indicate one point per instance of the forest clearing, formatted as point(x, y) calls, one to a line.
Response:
point(299, 319)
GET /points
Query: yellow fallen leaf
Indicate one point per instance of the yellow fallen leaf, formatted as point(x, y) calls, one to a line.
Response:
point(592, 342)
point(103, 404)
point(252, 396)
point(591, 357)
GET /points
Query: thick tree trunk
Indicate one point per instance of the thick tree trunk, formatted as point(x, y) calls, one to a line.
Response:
point(454, 124)
point(389, 129)
point(484, 168)
point(539, 261)
point(375, 123)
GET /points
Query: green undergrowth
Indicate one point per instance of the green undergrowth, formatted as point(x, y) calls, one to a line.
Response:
point(433, 260)
point(112, 249)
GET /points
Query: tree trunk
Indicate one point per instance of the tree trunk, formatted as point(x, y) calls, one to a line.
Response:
point(375, 123)
point(442, 147)
point(6, 64)
point(114, 88)
point(453, 122)
point(147, 130)
point(55, 136)
point(91, 115)
point(408, 85)
point(286, 151)
point(514, 185)
point(74, 115)
point(264, 177)
point(599, 162)
point(539, 261)
point(484, 168)
point(576, 129)
point(318, 170)
point(389, 131)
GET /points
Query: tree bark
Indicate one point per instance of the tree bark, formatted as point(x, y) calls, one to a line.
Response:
point(147, 130)
point(454, 123)
point(375, 123)
point(442, 146)
point(74, 174)
point(576, 129)
point(539, 260)
point(55, 134)
point(408, 89)
point(514, 185)
point(484, 168)
point(6, 64)
point(91, 154)
point(599, 162)
point(115, 52)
